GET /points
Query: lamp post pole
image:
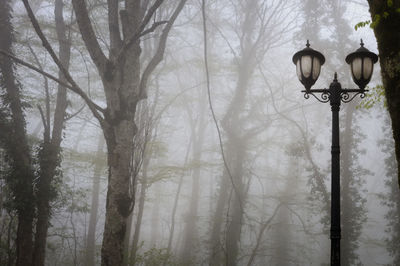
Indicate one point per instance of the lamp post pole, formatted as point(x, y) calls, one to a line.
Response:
point(335, 95)
point(335, 88)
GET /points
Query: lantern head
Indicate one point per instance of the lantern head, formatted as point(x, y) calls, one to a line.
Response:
point(308, 65)
point(361, 65)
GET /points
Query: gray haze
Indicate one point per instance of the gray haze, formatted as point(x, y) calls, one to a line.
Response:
point(245, 187)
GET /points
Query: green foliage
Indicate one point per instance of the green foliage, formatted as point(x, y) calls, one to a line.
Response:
point(378, 17)
point(155, 257)
point(362, 24)
point(376, 95)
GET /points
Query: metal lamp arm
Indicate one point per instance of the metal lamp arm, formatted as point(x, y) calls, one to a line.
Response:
point(324, 98)
point(325, 94)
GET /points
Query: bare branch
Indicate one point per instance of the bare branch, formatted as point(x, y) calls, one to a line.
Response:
point(158, 56)
point(21, 62)
point(74, 114)
point(153, 27)
point(46, 86)
point(88, 35)
point(92, 106)
point(46, 129)
point(140, 29)
point(72, 88)
point(113, 25)
point(264, 226)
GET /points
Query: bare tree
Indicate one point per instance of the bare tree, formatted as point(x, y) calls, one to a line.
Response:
point(124, 86)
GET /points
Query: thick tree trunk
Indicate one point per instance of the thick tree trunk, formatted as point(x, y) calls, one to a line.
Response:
point(91, 235)
point(121, 87)
point(120, 199)
point(387, 33)
point(13, 136)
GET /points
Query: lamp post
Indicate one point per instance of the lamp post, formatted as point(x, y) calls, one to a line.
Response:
point(308, 66)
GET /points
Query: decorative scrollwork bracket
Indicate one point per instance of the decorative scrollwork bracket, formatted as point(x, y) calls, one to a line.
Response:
point(346, 98)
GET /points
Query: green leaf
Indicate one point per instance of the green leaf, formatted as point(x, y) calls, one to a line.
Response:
point(385, 14)
point(362, 24)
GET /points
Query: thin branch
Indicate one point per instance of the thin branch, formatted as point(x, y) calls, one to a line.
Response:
point(212, 109)
point(46, 129)
point(68, 86)
point(21, 62)
point(153, 27)
point(113, 25)
point(74, 114)
point(140, 29)
point(157, 58)
point(88, 35)
point(46, 86)
point(260, 234)
point(318, 175)
point(92, 106)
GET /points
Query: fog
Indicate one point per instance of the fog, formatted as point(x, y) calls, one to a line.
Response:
point(229, 164)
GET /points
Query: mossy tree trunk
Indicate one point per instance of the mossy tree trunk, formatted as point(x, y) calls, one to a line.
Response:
point(49, 154)
point(387, 33)
point(14, 140)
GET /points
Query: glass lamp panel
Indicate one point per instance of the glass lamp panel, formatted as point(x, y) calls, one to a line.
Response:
point(368, 67)
point(356, 68)
point(298, 69)
point(316, 68)
point(306, 65)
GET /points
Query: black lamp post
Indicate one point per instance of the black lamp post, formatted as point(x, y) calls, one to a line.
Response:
point(308, 65)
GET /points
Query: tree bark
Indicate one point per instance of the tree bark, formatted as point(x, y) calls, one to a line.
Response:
point(14, 140)
point(138, 224)
point(190, 230)
point(387, 33)
point(49, 155)
point(91, 236)
point(216, 246)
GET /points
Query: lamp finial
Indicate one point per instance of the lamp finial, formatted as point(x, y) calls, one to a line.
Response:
point(362, 43)
point(335, 77)
point(308, 44)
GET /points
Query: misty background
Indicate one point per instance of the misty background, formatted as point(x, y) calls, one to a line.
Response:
point(237, 172)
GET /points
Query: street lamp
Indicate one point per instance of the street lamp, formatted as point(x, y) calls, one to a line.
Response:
point(308, 65)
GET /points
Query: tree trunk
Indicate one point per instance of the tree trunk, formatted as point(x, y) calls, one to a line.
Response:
point(387, 33)
point(49, 156)
point(138, 224)
point(91, 236)
point(216, 246)
point(119, 129)
point(239, 197)
point(14, 140)
point(190, 231)
point(120, 199)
